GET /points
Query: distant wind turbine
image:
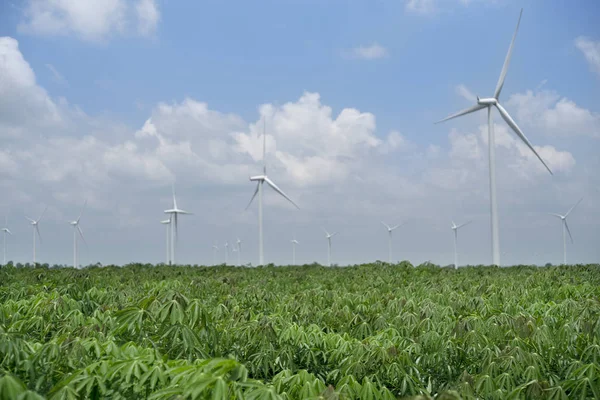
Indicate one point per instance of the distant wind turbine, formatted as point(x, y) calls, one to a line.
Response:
point(261, 179)
point(455, 228)
point(489, 103)
point(77, 229)
point(167, 223)
point(226, 253)
point(238, 242)
point(36, 229)
point(329, 236)
point(5, 230)
point(390, 229)
point(565, 226)
point(215, 250)
point(174, 212)
point(294, 243)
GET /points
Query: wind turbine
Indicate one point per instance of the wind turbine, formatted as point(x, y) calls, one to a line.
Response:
point(565, 226)
point(489, 103)
point(294, 243)
point(226, 253)
point(215, 250)
point(455, 228)
point(35, 226)
point(390, 229)
point(329, 236)
point(261, 179)
point(5, 230)
point(239, 250)
point(174, 212)
point(77, 229)
point(167, 223)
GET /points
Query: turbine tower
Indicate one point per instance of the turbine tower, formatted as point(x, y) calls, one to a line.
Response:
point(5, 230)
point(174, 212)
point(167, 223)
point(215, 250)
point(329, 236)
point(565, 227)
point(489, 103)
point(77, 229)
point(455, 228)
point(36, 229)
point(261, 179)
point(390, 229)
point(238, 242)
point(294, 243)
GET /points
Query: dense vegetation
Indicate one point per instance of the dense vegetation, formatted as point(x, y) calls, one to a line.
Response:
point(371, 331)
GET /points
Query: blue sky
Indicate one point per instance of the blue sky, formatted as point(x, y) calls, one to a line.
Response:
point(117, 88)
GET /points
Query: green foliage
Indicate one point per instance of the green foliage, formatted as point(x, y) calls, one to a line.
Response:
point(378, 331)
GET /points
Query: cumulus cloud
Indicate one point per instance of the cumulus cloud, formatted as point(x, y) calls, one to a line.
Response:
point(422, 7)
point(90, 21)
point(554, 115)
point(591, 52)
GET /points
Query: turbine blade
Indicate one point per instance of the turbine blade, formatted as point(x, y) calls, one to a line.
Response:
point(572, 208)
point(9, 232)
point(276, 188)
point(519, 133)
point(568, 230)
point(253, 196)
point(82, 208)
point(81, 234)
point(507, 60)
point(333, 234)
point(184, 212)
point(386, 225)
point(466, 111)
point(37, 229)
point(43, 212)
point(30, 219)
point(466, 223)
point(556, 215)
point(325, 230)
point(397, 226)
point(174, 199)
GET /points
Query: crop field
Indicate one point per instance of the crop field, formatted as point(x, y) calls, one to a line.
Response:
point(366, 332)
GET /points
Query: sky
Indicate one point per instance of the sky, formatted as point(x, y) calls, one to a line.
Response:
point(112, 102)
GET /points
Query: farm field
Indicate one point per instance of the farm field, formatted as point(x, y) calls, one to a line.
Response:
point(364, 332)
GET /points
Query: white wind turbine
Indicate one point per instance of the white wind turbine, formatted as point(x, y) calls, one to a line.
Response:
point(167, 223)
point(238, 242)
point(455, 228)
point(390, 229)
point(174, 212)
point(36, 229)
point(489, 103)
point(5, 230)
point(294, 243)
point(77, 229)
point(565, 227)
point(226, 253)
point(261, 179)
point(329, 236)
point(215, 250)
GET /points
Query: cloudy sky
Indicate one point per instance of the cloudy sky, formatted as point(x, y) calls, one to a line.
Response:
point(112, 102)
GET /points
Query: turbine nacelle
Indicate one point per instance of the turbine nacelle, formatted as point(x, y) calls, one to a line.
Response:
point(488, 101)
point(258, 178)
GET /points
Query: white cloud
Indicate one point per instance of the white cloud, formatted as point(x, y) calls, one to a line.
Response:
point(554, 115)
point(591, 52)
point(464, 92)
point(148, 16)
point(91, 21)
point(422, 7)
point(371, 52)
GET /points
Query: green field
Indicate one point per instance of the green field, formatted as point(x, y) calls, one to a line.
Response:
point(371, 331)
